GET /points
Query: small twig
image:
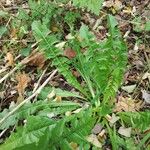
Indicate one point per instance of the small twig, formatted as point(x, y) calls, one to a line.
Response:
point(2, 6)
point(147, 59)
point(1, 134)
point(8, 21)
point(8, 74)
point(38, 83)
point(3, 70)
point(30, 97)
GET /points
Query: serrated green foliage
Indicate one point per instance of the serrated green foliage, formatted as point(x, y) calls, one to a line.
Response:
point(46, 44)
point(58, 92)
point(43, 108)
point(3, 30)
point(71, 18)
point(62, 65)
point(139, 120)
point(35, 129)
point(102, 64)
point(70, 129)
point(91, 5)
point(76, 129)
point(117, 56)
point(147, 25)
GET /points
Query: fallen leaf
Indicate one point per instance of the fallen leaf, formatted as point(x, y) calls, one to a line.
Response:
point(108, 4)
point(94, 140)
point(9, 57)
point(146, 96)
point(102, 133)
point(117, 5)
point(102, 136)
point(125, 131)
point(9, 2)
point(69, 37)
point(129, 88)
point(113, 119)
point(23, 80)
point(60, 45)
point(70, 53)
point(127, 104)
point(128, 10)
point(97, 129)
point(36, 59)
point(146, 76)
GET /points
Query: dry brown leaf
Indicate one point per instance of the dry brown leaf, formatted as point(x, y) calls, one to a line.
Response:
point(36, 59)
point(9, 57)
point(128, 104)
point(70, 53)
point(23, 80)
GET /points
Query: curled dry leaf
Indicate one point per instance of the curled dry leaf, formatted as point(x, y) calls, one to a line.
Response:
point(10, 59)
point(128, 104)
point(23, 80)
